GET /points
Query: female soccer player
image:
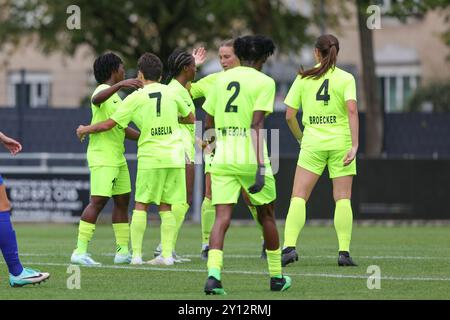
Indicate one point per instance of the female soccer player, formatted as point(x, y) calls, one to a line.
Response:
point(107, 164)
point(327, 96)
point(18, 275)
point(181, 71)
point(228, 60)
point(236, 108)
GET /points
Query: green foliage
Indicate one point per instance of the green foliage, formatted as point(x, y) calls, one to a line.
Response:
point(436, 93)
point(133, 27)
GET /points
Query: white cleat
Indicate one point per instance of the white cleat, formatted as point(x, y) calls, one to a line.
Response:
point(179, 259)
point(159, 260)
point(83, 259)
point(137, 260)
point(122, 258)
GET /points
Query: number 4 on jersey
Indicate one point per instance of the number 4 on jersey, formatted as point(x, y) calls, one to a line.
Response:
point(325, 96)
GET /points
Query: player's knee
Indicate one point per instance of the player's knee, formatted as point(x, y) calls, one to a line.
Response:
point(97, 204)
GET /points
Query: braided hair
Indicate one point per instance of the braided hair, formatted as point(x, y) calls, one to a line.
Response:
point(105, 65)
point(179, 59)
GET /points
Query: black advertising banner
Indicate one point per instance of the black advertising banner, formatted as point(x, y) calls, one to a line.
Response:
point(47, 197)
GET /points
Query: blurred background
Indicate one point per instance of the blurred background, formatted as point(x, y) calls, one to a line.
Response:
point(398, 52)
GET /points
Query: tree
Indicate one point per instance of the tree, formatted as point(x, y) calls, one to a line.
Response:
point(133, 27)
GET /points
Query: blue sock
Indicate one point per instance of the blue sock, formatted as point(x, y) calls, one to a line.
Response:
point(8, 244)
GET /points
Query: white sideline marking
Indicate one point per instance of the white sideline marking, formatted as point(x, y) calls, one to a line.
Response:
point(320, 275)
point(257, 256)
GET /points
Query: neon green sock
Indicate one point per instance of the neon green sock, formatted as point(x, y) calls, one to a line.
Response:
point(343, 219)
point(254, 213)
point(179, 212)
point(85, 233)
point(122, 233)
point(294, 222)
point(274, 263)
point(168, 225)
point(215, 263)
point(208, 218)
point(137, 230)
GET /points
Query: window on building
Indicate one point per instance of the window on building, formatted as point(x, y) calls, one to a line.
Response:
point(32, 89)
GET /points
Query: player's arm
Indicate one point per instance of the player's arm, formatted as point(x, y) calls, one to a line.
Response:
point(9, 143)
point(258, 146)
point(106, 125)
point(132, 134)
point(353, 121)
point(291, 119)
point(104, 95)
point(189, 119)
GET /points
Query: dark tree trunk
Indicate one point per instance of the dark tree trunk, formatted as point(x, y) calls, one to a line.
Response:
point(374, 112)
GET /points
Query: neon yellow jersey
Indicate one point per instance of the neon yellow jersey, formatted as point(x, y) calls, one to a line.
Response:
point(154, 109)
point(236, 94)
point(106, 148)
point(187, 129)
point(203, 86)
point(325, 114)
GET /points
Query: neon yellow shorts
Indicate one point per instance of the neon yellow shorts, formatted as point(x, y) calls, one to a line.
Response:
point(315, 161)
point(110, 181)
point(166, 185)
point(226, 189)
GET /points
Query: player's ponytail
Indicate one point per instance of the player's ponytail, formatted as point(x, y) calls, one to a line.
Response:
point(176, 62)
point(328, 45)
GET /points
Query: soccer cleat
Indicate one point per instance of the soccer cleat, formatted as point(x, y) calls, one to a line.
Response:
point(158, 250)
point(204, 254)
point(160, 261)
point(214, 286)
point(179, 259)
point(263, 251)
point(280, 284)
point(122, 258)
point(136, 260)
point(83, 259)
point(288, 255)
point(28, 276)
point(345, 260)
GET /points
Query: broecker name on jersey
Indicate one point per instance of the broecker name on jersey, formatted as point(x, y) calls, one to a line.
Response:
point(329, 119)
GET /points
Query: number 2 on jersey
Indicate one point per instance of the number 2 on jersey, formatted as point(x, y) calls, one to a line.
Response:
point(325, 96)
point(156, 95)
point(237, 88)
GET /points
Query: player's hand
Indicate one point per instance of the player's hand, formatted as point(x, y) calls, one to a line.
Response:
point(131, 83)
point(80, 133)
point(199, 56)
point(12, 145)
point(259, 180)
point(350, 156)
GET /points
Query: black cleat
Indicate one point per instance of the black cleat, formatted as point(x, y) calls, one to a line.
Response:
point(214, 286)
point(345, 260)
point(288, 255)
point(263, 251)
point(280, 284)
point(204, 254)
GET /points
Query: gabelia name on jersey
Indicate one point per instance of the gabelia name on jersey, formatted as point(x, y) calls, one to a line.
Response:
point(160, 131)
point(322, 119)
point(233, 131)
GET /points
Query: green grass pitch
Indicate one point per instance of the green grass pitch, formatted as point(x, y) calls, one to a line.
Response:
point(414, 262)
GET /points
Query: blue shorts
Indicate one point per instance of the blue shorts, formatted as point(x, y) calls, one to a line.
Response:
point(1, 180)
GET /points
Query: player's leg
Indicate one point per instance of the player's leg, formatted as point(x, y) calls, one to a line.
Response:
point(137, 228)
point(225, 194)
point(18, 275)
point(342, 178)
point(254, 213)
point(309, 168)
point(208, 217)
point(172, 194)
point(121, 197)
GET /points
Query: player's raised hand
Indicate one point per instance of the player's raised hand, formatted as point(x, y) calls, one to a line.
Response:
point(80, 132)
point(199, 56)
point(12, 145)
point(350, 156)
point(131, 83)
point(259, 180)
